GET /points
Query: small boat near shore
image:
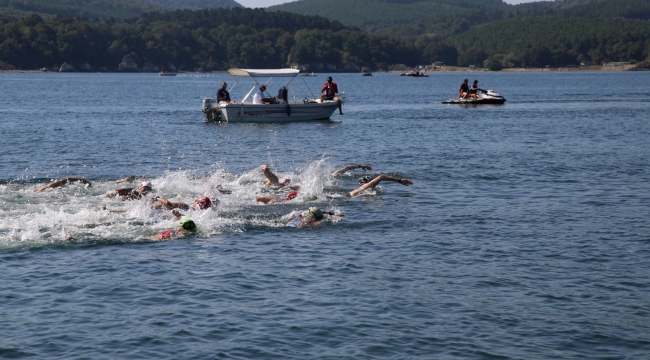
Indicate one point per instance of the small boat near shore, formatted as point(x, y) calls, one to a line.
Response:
point(415, 74)
point(308, 74)
point(167, 73)
point(487, 97)
point(282, 108)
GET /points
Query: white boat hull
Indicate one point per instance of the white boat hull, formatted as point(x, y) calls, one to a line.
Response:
point(294, 111)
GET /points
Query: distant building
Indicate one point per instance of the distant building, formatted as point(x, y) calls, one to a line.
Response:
point(127, 64)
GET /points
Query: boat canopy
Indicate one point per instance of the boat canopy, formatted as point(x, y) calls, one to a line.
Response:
point(264, 72)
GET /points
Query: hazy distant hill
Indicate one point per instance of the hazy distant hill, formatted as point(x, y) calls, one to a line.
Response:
point(373, 14)
point(103, 9)
point(195, 4)
point(118, 9)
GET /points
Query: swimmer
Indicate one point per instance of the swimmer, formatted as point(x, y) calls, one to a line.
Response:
point(351, 167)
point(202, 203)
point(61, 182)
point(186, 227)
point(310, 217)
point(272, 178)
point(276, 199)
point(130, 193)
point(367, 182)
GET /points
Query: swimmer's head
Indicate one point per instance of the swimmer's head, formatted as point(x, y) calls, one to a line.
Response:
point(145, 187)
point(203, 202)
point(292, 195)
point(313, 212)
point(365, 180)
point(285, 182)
point(188, 224)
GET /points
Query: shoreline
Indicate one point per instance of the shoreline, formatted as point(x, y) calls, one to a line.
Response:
point(603, 68)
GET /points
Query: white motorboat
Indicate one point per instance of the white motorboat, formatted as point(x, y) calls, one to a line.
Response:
point(283, 108)
point(487, 97)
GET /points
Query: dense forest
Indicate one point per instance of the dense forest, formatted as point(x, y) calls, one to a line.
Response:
point(486, 33)
point(209, 39)
point(495, 34)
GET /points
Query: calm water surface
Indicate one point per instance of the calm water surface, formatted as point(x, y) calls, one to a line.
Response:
point(524, 236)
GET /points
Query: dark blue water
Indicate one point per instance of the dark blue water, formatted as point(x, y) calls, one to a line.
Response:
point(524, 236)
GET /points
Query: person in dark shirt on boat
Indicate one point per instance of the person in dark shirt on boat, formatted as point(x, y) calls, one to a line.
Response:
point(223, 94)
point(329, 91)
point(464, 90)
point(474, 89)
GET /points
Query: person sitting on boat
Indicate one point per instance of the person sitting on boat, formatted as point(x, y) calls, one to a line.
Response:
point(310, 217)
point(474, 89)
point(259, 98)
point(329, 91)
point(186, 227)
point(223, 94)
point(61, 182)
point(368, 182)
point(464, 90)
point(130, 193)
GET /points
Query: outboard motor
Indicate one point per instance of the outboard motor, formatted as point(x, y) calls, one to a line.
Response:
point(283, 95)
point(211, 109)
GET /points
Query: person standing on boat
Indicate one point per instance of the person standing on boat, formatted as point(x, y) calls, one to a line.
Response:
point(259, 98)
point(464, 90)
point(329, 91)
point(223, 94)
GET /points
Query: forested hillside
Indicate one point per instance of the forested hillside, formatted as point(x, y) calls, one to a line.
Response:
point(195, 4)
point(468, 32)
point(211, 39)
point(90, 9)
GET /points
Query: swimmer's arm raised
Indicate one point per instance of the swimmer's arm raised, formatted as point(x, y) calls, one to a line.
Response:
point(352, 167)
point(374, 182)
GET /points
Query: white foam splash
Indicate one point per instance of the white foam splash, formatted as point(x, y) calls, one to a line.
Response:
point(82, 214)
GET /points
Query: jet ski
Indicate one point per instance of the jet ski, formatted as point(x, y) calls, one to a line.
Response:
point(487, 97)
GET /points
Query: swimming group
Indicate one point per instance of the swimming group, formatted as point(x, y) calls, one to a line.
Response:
point(310, 217)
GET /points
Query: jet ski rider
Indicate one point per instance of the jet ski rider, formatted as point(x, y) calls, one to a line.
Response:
point(474, 89)
point(464, 90)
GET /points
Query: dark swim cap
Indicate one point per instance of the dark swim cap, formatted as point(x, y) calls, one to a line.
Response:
point(365, 180)
point(188, 224)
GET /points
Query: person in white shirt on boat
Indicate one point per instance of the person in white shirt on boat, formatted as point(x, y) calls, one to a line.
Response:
point(259, 98)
